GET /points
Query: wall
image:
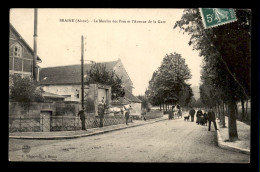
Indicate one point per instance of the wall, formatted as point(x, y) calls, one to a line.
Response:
point(72, 90)
point(121, 72)
point(136, 108)
point(93, 91)
point(16, 109)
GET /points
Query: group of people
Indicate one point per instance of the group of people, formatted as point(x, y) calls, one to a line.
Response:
point(175, 111)
point(203, 118)
point(102, 106)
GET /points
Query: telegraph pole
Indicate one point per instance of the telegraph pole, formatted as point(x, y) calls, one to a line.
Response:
point(35, 45)
point(82, 71)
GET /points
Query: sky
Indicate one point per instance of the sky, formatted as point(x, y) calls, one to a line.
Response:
point(140, 46)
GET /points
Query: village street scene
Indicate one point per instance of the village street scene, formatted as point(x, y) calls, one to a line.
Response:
point(130, 85)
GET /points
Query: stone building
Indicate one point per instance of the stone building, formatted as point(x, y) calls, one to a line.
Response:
point(66, 81)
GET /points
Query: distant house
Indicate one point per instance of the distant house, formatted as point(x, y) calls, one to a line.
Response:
point(66, 81)
point(20, 55)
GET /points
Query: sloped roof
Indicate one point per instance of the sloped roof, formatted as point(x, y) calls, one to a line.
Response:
point(52, 95)
point(21, 38)
point(120, 101)
point(67, 74)
point(131, 97)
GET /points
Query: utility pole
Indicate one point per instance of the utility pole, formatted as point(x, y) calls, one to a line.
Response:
point(82, 71)
point(35, 45)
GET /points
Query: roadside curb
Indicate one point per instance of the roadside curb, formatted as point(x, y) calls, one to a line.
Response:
point(82, 135)
point(223, 145)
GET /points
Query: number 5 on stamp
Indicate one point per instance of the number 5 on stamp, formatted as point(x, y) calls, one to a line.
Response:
point(213, 17)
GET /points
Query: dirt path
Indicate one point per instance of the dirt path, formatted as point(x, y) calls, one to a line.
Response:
point(165, 141)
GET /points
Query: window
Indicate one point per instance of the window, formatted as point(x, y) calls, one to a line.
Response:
point(17, 51)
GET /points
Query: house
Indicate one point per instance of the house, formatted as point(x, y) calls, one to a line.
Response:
point(20, 55)
point(66, 81)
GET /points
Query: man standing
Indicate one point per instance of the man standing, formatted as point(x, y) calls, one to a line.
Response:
point(192, 113)
point(212, 118)
point(143, 114)
point(101, 110)
point(127, 114)
point(82, 118)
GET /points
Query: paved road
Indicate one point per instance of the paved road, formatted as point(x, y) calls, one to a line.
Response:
point(165, 141)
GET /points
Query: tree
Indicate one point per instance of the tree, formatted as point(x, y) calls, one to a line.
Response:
point(226, 53)
point(168, 83)
point(98, 73)
point(145, 102)
point(24, 90)
point(192, 102)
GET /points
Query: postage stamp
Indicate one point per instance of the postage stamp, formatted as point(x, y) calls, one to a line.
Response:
point(213, 17)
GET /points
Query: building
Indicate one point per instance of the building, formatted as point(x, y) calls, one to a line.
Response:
point(20, 55)
point(21, 60)
point(66, 81)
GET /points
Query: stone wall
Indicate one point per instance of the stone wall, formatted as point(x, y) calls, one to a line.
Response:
point(92, 91)
point(16, 109)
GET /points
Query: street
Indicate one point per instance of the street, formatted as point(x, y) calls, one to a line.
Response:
point(165, 141)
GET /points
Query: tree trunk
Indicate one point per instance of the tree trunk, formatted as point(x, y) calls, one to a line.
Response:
point(243, 110)
point(223, 116)
point(160, 107)
point(219, 112)
point(232, 123)
point(246, 109)
point(163, 106)
point(236, 111)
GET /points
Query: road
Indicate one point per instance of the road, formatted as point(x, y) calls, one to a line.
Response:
point(165, 141)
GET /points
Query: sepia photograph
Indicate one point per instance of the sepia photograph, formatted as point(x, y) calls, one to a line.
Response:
point(139, 85)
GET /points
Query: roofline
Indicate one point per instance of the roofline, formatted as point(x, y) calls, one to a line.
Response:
point(24, 41)
point(77, 83)
point(77, 64)
point(140, 101)
point(119, 60)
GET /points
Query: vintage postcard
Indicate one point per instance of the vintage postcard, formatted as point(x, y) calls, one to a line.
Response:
point(130, 85)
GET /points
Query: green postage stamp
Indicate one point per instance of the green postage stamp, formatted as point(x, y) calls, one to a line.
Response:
point(213, 17)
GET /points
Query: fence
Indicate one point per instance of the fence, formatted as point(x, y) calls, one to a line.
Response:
point(149, 115)
point(59, 123)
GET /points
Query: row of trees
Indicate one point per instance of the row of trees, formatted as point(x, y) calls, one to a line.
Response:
point(168, 83)
point(226, 56)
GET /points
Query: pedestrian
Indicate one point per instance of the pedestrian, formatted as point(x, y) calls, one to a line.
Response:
point(206, 117)
point(179, 111)
point(127, 114)
point(143, 113)
point(174, 111)
point(212, 118)
point(192, 113)
point(170, 114)
point(82, 118)
point(198, 115)
point(101, 110)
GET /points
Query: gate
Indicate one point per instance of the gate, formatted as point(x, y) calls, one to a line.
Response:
point(45, 121)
